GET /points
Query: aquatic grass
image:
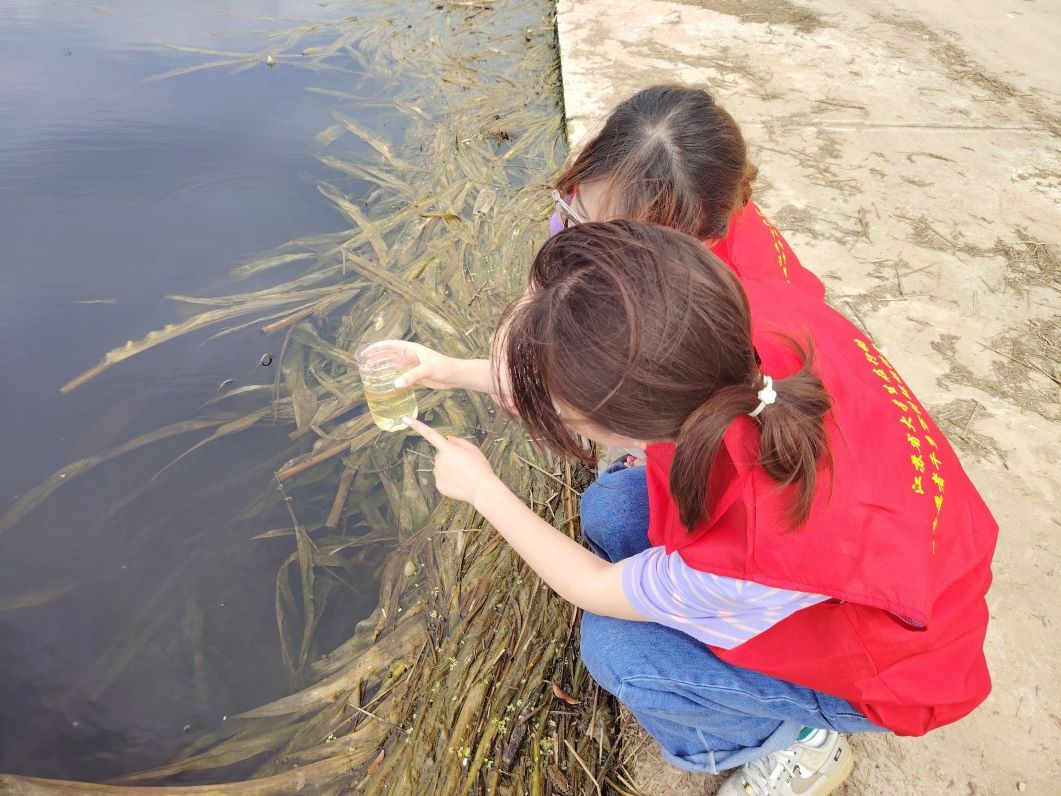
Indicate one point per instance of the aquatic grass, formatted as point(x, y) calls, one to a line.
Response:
point(65, 475)
point(450, 686)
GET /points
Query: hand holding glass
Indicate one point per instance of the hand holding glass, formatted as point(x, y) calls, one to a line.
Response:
point(380, 365)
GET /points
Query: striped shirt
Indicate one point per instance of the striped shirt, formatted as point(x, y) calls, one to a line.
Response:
point(716, 610)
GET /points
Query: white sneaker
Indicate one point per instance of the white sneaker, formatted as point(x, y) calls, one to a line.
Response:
point(800, 770)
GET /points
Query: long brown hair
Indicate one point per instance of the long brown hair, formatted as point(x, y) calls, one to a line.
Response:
point(646, 334)
point(667, 155)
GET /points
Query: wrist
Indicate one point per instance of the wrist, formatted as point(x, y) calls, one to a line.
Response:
point(487, 493)
point(462, 373)
point(474, 374)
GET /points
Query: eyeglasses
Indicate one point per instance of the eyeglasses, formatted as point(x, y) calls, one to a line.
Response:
point(568, 214)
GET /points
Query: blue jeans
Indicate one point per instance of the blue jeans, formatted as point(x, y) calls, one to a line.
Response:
point(706, 714)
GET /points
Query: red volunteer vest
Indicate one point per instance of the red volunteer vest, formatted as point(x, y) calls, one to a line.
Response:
point(754, 249)
point(897, 535)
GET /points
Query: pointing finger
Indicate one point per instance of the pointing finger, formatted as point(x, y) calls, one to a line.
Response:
point(426, 432)
point(460, 442)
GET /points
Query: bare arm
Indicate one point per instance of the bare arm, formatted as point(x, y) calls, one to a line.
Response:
point(573, 572)
point(429, 368)
point(576, 574)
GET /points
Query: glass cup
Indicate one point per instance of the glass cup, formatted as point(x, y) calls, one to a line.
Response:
point(379, 365)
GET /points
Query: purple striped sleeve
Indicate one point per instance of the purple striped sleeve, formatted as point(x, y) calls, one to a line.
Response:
point(716, 610)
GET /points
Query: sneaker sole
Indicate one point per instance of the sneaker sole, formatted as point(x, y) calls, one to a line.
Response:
point(837, 776)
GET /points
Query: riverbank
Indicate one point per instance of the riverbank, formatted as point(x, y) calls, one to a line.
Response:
point(911, 156)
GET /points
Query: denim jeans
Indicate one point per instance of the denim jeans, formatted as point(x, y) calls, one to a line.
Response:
point(706, 714)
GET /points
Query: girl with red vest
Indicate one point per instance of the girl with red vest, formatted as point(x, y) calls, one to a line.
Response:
point(813, 559)
point(670, 155)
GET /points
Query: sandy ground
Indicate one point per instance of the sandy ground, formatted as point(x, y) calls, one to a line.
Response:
point(911, 156)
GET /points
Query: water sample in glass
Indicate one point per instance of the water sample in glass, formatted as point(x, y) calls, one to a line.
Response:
point(379, 366)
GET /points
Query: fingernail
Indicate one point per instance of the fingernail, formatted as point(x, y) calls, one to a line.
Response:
point(399, 382)
point(407, 420)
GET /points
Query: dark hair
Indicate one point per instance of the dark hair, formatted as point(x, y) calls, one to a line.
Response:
point(668, 155)
point(646, 334)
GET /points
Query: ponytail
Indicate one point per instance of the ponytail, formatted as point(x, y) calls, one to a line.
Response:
point(698, 442)
point(791, 440)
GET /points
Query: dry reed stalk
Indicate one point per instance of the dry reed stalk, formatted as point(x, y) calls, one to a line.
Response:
point(340, 499)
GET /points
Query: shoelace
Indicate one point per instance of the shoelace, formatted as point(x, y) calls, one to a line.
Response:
point(762, 774)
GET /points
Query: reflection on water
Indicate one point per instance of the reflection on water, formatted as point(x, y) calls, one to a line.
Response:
point(155, 615)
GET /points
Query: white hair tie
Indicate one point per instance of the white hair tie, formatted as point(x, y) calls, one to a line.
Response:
point(767, 395)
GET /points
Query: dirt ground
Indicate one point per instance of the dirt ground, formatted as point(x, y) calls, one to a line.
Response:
point(911, 153)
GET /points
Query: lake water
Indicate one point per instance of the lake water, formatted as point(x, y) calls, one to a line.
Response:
point(157, 617)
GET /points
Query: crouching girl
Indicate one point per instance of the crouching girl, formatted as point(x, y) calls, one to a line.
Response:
point(803, 555)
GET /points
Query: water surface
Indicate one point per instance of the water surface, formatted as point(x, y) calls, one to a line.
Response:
point(115, 192)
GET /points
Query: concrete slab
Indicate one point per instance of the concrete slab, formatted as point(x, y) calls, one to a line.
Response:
point(911, 153)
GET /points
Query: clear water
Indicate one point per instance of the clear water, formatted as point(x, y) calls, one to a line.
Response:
point(389, 408)
point(118, 192)
point(388, 405)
